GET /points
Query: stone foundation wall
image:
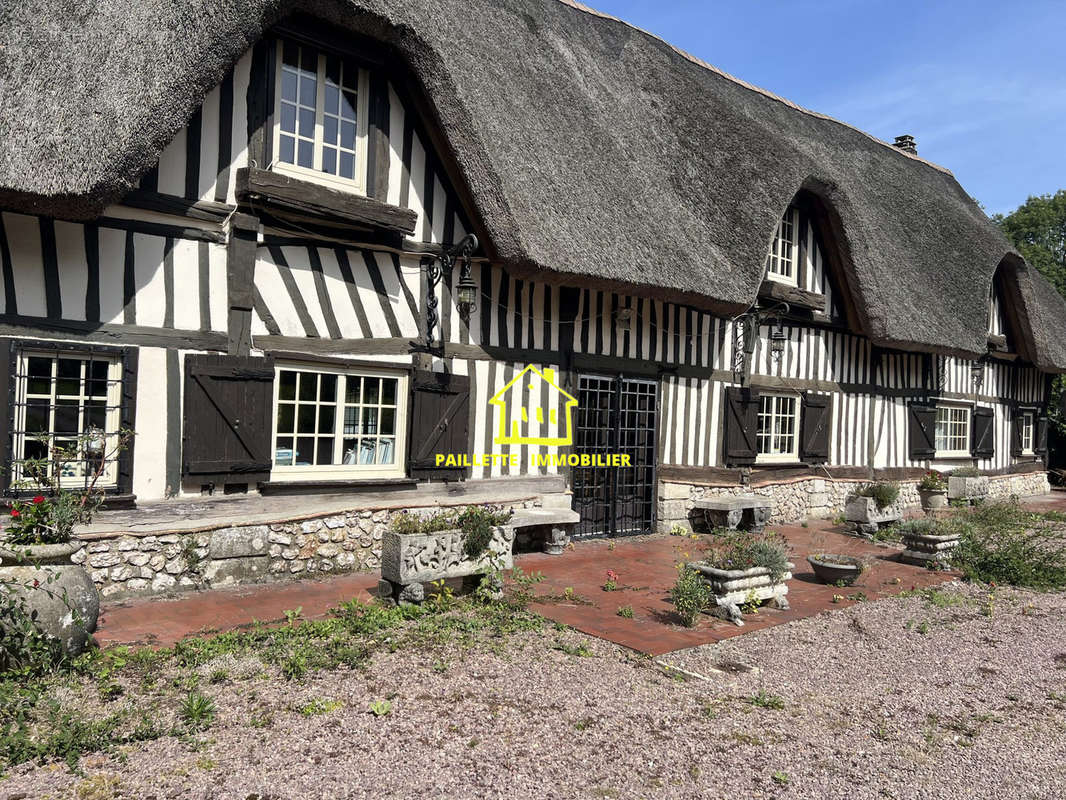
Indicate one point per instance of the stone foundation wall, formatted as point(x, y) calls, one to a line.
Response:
point(126, 565)
point(819, 498)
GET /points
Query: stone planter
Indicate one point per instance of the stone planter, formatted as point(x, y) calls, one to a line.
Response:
point(65, 600)
point(834, 569)
point(967, 488)
point(410, 560)
point(733, 588)
point(933, 499)
point(927, 550)
point(865, 517)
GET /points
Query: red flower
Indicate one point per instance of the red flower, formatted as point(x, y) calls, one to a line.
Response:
point(38, 500)
point(611, 575)
point(15, 513)
point(992, 584)
point(36, 583)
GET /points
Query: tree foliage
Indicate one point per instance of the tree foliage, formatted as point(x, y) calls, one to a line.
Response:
point(1038, 229)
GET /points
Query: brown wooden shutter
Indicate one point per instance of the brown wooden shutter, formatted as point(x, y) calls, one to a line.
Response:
point(1016, 434)
point(128, 415)
point(742, 406)
point(1040, 445)
point(440, 423)
point(815, 428)
point(921, 434)
point(982, 432)
point(228, 418)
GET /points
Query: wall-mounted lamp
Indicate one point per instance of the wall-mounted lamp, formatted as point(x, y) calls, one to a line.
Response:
point(977, 373)
point(466, 290)
point(623, 318)
point(777, 340)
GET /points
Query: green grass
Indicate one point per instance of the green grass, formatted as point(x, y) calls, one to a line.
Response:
point(34, 727)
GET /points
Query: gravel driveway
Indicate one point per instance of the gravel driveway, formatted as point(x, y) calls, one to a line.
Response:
point(901, 698)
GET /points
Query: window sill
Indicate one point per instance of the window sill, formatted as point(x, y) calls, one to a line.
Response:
point(288, 198)
point(333, 486)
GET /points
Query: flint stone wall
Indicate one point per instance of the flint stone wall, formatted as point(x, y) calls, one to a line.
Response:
point(126, 565)
point(820, 498)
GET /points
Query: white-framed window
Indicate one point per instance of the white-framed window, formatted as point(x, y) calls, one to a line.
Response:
point(781, 263)
point(777, 433)
point(320, 116)
point(339, 422)
point(1027, 432)
point(68, 402)
point(952, 432)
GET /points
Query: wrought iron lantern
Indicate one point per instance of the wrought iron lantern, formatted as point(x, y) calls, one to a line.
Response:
point(777, 340)
point(977, 373)
point(466, 290)
point(623, 318)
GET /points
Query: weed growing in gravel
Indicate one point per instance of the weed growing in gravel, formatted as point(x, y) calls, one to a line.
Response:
point(763, 699)
point(780, 778)
point(197, 710)
point(381, 708)
point(572, 650)
point(320, 706)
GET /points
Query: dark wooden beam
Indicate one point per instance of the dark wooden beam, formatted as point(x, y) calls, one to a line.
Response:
point(104, 333)
point(793, 295)
point(284, 195)
point(206, 210)
point(240, 290)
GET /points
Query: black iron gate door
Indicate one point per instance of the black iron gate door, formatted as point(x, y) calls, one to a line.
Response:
point(615, 415)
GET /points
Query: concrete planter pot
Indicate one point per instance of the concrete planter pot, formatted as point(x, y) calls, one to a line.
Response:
point(65, 600)
point(967, 488)
point(410, 560)
point(831, 568)
point(933, 499)
point(734, 587)
point(928, 550)
point(863, 514)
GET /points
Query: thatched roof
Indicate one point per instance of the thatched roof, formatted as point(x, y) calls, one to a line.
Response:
point(589, 147)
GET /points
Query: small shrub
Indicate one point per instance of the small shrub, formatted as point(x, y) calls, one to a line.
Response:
point(933, 481)
point(625, 612)
point(197, 710)
point(690, 594)
point(1004, 544)
point(744, 550)
point(884, 493)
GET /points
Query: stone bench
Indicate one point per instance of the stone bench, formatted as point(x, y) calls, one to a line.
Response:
point(742, 511)
point(553, 524)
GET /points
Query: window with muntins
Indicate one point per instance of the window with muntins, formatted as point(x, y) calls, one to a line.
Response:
point(952, 437)
point(777, 436)
point(66, 418)
point(321, 107)
point(1027, 426)
point(783, 257)
point(345, 423)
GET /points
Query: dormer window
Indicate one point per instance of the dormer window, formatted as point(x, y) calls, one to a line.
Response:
point(782, 262)
point(320, 128)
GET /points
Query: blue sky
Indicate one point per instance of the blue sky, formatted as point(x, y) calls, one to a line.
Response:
point(980, 85)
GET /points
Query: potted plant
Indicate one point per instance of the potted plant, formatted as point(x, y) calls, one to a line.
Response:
point(967, 483)
point(744, 570)
point(836, 569)
point(42, 590)
point(871, 506)
point(933, 490)
point(449, 544)
point(929, 543)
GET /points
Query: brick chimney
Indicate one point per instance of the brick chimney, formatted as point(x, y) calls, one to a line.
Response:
point(906, 144)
